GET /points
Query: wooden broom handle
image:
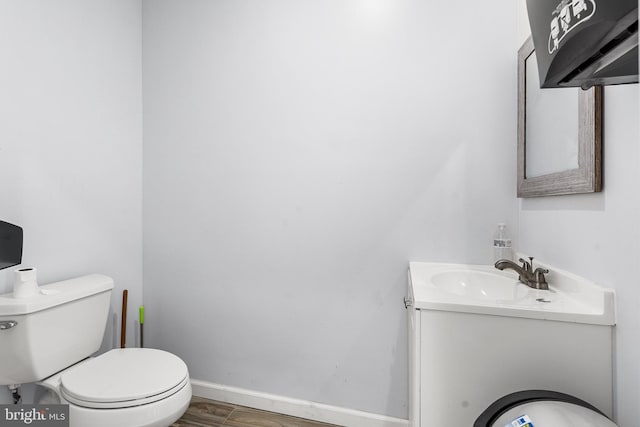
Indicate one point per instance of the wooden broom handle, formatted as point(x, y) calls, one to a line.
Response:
point(123, 331)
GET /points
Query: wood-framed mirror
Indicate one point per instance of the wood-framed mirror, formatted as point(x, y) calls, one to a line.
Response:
point(559, 135)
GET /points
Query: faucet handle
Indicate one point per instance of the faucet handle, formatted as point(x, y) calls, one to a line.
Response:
point(526, 265)
point(538, 275)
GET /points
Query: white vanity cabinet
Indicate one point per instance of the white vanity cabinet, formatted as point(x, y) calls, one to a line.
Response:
point(466, 352)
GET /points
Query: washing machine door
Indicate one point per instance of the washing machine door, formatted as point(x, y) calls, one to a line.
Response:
point(541, 408)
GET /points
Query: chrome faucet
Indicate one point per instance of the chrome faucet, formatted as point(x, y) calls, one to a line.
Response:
point(533, 278)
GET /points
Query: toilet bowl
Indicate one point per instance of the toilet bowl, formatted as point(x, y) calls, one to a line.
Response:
point(42, 341)
point(136, 387)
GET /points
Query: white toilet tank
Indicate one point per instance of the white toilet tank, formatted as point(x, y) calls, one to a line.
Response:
point(45, 333)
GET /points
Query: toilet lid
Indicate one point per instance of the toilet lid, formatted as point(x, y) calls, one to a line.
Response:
point(123, 378)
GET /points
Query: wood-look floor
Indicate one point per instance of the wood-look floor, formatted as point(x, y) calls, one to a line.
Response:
point(209, 413)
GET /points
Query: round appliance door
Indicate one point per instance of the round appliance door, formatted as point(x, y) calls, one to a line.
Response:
point(540, 408)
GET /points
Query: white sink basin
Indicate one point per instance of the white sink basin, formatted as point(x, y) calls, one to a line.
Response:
point(485, 290)
point(480, 285)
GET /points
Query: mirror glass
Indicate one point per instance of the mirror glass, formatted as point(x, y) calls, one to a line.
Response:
point(552, 122)
point(559, 134)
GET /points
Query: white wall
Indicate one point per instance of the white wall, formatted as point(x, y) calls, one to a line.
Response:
point(597, 236)
point(70, 140)
point(297, 155)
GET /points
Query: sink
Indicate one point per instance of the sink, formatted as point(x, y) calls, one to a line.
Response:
point(480, 285)
point(485, 290)
point(476, 332)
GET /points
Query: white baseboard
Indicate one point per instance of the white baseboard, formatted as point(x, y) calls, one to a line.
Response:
point(294, 407)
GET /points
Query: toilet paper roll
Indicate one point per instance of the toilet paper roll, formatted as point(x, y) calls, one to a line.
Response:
point(26, 283)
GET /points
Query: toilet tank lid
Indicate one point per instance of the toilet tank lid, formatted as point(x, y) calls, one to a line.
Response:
point(55, 294)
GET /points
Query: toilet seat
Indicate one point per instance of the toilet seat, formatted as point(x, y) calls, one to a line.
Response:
point(123, 378)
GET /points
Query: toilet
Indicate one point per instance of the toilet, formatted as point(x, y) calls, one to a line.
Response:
point(49, 339)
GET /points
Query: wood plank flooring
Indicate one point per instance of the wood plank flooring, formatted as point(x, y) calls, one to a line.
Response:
point(208, 413)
